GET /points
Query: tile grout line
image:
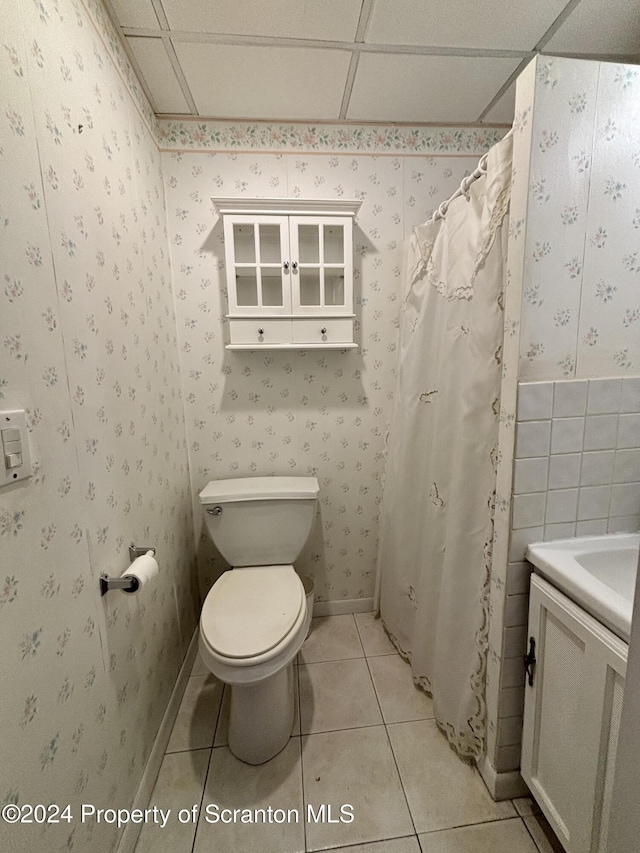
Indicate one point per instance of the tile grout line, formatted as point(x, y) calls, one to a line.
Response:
point(206, 775)
point(304, 799)
point(386, 731)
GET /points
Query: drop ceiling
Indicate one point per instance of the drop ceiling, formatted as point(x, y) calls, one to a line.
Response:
point(382, 61)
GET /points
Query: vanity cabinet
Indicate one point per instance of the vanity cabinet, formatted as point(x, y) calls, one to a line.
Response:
point(572, 717)
point(289, 266)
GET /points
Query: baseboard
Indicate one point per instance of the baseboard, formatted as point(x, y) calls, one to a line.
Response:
point(502, 786)
point(338, 608)
point(129, 837)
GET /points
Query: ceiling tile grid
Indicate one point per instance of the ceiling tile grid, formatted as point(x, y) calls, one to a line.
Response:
point(385, 61)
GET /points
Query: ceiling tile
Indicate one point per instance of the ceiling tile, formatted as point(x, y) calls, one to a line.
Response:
point(159, 75)
point(491, 24)
point(232, 81)
point(138, 14)
point(425, 88)
point(328, 20)
point(502, 111)
point(593, 28)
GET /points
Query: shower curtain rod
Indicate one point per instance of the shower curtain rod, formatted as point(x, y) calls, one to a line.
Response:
point(463, 189)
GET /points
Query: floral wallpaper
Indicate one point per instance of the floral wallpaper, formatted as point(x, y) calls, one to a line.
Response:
point(581, 302)
point(322, 413)
point(88, 344)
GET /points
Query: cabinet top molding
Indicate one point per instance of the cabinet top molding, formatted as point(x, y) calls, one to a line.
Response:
point(295, 206)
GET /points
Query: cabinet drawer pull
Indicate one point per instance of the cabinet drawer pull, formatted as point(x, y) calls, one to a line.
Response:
point(285, 266)
point(323, 330)
point(261, 331)
point(294, 266)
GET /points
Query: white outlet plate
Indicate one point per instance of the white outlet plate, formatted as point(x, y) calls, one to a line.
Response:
point(15, 419)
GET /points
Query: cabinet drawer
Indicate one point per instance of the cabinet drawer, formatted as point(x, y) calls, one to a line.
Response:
point(260, 332)
point(319, 330)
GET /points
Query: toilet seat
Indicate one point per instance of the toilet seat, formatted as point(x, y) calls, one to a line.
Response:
point(249, 612)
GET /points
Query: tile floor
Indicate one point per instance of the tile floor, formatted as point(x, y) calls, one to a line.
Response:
point(363, 735)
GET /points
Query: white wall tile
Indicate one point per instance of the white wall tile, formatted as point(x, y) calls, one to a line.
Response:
point(562, 505)
point(600, 432)
point(629, 431)
point(595, 527)
point(604, 396)
point(564, 470)
point(530, 475)
point(625, 499)
point(520, 539)
point(624, 524)
point(630, 401)
point(570, 398)
point(597, 468)
point(535, 401)
point(626, 466)
point(518, 577)
point(516, 610)
point(528, 510)
point(510, 729)
point(511, 700)
point(567, 435)
point(532, 439)
point(559, 531)
point(593, 502)
point(514, 642)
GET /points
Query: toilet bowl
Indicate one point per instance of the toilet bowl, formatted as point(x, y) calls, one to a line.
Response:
point(255, 617)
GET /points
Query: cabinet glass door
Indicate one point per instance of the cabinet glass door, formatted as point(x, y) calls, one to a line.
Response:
point(321, 277)
point(258, 277)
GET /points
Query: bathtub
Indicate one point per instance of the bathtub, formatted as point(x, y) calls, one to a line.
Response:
point(597, 572)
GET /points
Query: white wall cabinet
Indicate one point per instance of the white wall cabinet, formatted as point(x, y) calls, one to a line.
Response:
point(572, 717)
point(289, 266)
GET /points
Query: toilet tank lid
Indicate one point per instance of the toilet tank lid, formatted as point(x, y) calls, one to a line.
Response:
point(260, 489)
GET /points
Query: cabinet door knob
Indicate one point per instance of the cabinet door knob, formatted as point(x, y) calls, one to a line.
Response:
point(285, 266)
point(294, 266)
point(323, 330)
point(261, 331)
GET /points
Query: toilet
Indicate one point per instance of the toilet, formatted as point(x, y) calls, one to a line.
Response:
point(255, 617)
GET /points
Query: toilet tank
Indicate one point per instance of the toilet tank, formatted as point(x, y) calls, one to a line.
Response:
point(260, 521)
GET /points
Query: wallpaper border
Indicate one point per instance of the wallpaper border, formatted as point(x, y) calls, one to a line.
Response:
point(224, 135)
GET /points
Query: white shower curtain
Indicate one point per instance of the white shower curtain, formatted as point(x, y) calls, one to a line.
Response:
point(434, 558)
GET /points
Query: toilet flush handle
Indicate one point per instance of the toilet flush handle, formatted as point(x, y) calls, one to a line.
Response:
point(216, 510)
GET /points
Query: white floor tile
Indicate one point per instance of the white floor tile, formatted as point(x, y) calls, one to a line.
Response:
point(337, 695)
point(399, 698)
point(196, 720)
point(354, 767)
point(231, 784)
point(373, 636)
point(504, 836)
point(331, 638)
point(199, 666)
point(442, 790)
point(393, 845)
point(179, 786)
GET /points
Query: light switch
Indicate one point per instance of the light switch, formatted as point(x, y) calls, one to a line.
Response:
point(15, 461)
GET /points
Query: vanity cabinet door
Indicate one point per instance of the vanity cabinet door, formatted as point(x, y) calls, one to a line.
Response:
point(572, 717)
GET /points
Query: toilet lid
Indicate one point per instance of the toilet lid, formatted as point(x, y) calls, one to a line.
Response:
point(250, 610)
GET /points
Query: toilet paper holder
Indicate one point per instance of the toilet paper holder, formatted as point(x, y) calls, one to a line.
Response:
point(127, 583)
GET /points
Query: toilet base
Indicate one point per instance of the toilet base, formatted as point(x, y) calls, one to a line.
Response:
point(261, 717)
